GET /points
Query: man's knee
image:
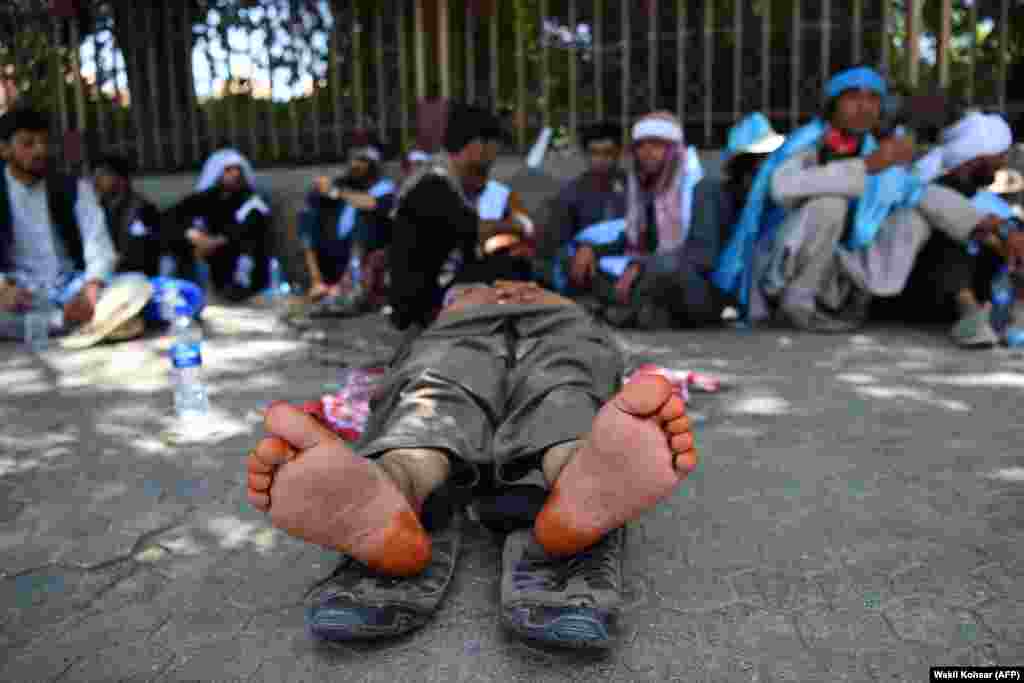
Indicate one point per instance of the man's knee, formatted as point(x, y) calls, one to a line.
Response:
point(826, 214)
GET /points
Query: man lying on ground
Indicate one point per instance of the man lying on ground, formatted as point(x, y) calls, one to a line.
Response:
point(510, 382)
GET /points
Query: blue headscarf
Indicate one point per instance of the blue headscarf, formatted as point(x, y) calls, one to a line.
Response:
point(883, 193)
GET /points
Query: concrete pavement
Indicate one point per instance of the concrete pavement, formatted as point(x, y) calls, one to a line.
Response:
point(857, 516)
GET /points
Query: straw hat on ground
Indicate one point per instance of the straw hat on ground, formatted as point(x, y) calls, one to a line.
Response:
point(117, 315)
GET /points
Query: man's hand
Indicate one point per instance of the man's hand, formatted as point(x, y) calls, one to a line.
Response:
point(318, 290)
point(583, 267)
point(203, 243)
point(892, 151)
point(360, 200)
point(624, 286)
point(14, 298)
point(1015, 252)
point(80, 309)
point(322, 184)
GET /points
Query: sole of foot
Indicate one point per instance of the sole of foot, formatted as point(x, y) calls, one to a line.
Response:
point(639, 449)
point(315, 488)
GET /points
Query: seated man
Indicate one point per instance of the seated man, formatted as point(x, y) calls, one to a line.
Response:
point(435, 216)
point(666, 252)
point(836, 218)
point(228, 225)
point(346, 222)
point(511, 381)
point(751, 141)
point(54, 241)
point(597, 195)
point(133, 220)
point(948, 282)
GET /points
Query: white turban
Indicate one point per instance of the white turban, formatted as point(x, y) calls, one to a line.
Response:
point(219, 161)
point(975, 135)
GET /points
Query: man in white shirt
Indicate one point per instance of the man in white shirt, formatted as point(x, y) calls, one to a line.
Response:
point(53, 234)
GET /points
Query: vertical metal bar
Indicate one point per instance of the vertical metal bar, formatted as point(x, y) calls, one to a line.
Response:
point(334, 74)
point(766, 57)
point(229, 100)
point(1004, 52)
point(117, 128)
point(211, 113)
point(737, 59)
point(59, 77)
point(573, 104)
point(972, 23)
point(826, 39)
point(945, 37)
point(469, 34)
point(193, 114)
point(885, 58)
point(177, 141)
point(545, 74)
point(857, 44)
point(403, 74)
point(495, 49)
point(794, 66)
point(98, 103)
point(249, 111)
point(627, 53)
point(709, 31)
point(443, 48)
point(418, 32)
point(913, 45)
point(599, 58)
point(357, 67)
point(681, 81)
point(520, 74)
point(275, 138)
point(652, 53)
point(382, 110)
point(76, 67)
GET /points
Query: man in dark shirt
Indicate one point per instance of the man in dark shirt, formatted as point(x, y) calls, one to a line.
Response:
point(133, 220)
point(434, 217)
point(598, 194)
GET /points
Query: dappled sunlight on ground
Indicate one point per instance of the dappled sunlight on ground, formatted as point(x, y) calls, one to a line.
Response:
point(856, 378)
point(759, 404)
point(919, 395)
point(1011, 474)
point(995, 379)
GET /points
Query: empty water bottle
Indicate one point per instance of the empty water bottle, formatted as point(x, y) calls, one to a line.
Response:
point(243, 272)
point(190, 396)
point(37, 319)
point(275, 278)
point(355, 269)
point(1002, 299)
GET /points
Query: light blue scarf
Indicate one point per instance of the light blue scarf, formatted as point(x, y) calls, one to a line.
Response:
point(347, 219)
point(759, 221)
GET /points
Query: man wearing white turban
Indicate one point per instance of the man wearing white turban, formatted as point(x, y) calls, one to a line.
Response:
point(227, 223)
point(948, 282)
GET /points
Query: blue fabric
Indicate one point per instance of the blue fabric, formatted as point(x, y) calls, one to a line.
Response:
point(347, 219)
point(190, 291)
point(860, 78)
point(760, 219)
point(990, 202)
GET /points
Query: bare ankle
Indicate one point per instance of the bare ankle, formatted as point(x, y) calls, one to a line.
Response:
point(417, 472)
point(557, 457)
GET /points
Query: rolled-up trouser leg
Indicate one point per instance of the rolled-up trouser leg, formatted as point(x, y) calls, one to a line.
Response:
point(566, 367)
point(446, 391)
point(680, 289)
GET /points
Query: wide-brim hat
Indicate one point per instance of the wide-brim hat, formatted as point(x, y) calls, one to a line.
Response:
point(1008, 181)
point(752, 135)
point(117, 305)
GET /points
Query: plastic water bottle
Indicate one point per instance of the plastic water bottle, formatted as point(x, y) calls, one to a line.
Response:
point(1002, 299)
point(243, 272)
point(37, 319)
point(168, 266)
point(275, 278)
point(190, 397)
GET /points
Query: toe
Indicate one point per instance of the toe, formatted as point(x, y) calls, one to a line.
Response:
point(257, 466)
point(686, 462)
point(681, 442)
point(297, 429)
point(260, 482)
point(644, 396)
point(672, 410)
point(273, 452)
point(680, 425)
point(260, 501)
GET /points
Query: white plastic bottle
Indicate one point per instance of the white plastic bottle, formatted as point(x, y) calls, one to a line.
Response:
point(190, 396)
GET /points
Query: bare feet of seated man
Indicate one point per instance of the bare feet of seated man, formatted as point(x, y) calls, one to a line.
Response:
point(316, 489)
point(639, 449)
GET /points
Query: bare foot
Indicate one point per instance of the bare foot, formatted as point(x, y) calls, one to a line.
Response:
point(639, 449)
point(315, 488)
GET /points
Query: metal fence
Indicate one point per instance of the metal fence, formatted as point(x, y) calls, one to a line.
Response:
point(173, 97)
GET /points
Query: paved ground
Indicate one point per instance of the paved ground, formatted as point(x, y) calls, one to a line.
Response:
point(858, 516)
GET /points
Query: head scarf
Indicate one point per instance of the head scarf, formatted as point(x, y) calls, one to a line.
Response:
point(667, 187)
point(975, 135)
point(219, 161)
